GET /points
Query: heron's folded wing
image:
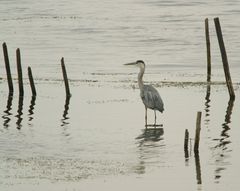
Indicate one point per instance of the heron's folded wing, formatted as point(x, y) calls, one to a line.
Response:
point(151, 98)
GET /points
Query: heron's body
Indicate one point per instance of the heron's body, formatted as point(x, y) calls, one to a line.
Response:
point(150, 96)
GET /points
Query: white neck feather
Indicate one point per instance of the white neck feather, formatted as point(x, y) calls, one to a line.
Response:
point(140, 76)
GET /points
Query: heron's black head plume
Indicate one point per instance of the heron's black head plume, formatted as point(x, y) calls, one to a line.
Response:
point(140, 61)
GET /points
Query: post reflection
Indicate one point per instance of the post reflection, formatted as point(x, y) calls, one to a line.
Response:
point(65, 112)
point(149, 143)
point(19, 112)
point(198, 168)
point(186, 155)
point(31, 108)
point(223, 144)
point(6, 116)
point(207, 116)
point(207, 104)
point(150, 134)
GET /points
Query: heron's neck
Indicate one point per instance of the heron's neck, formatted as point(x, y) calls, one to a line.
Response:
point(140, 78)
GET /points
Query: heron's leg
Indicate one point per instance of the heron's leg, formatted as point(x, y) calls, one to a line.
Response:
point(155, 117)
point(146, 116)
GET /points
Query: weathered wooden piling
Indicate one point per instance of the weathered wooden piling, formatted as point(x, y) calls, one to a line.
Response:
point(197, 133)
point(30, 76)
point(196, 148)
point(186, 139)
point(224, 58)
point(19, 69)
point(68, 94)
point(8, 70)
point(208, 50)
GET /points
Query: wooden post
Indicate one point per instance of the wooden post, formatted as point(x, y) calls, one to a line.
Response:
point(186, 139)
point(8, 70)
point(208, 50)
point(224, 59)
point(19, 69)
point(34, 93)
point(197, 133)
point(68, 94)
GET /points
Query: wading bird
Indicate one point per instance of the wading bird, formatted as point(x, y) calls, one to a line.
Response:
point(150, 96)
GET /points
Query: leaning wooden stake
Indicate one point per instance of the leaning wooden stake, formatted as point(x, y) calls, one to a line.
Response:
point(8, 70)
point(68, 94)
point(19, 69)
point(30, 76)
point(208, 50)
point(224, 59)
point(197, 133)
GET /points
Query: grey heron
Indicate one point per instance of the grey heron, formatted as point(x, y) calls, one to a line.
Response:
point(150, 96)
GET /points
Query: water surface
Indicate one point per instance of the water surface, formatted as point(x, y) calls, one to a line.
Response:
point(97, 139)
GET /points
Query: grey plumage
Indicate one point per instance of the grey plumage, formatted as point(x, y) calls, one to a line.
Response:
point(150, 96)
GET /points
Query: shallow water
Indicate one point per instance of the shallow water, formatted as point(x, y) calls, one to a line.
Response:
point(97, 139)
point(94, 141)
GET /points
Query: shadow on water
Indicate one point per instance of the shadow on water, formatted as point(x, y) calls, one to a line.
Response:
point(223, 143)
point(19, 112)
point(7, 115)
point(65, 119)
point(31, 108)
point(148, 147)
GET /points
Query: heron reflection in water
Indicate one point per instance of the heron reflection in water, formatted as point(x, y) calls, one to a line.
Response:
point(151, 134)
point(150, 96)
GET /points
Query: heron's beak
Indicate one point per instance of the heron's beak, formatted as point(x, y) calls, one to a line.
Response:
point(130, 64)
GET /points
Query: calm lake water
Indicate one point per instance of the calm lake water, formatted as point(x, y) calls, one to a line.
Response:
point(97, 139)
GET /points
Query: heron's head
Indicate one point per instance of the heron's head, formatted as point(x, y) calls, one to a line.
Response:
point(138, 63)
